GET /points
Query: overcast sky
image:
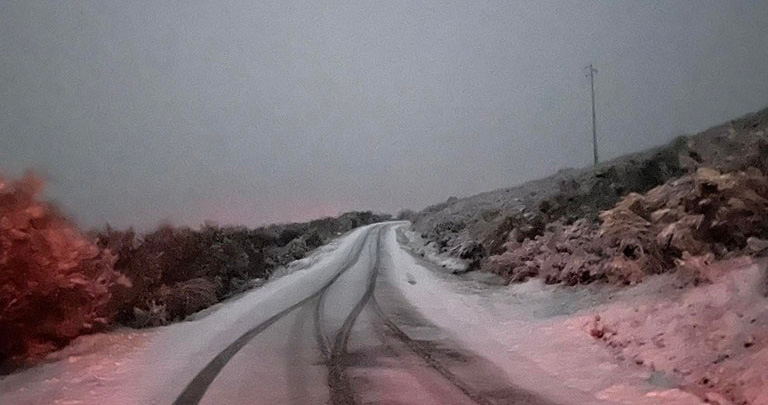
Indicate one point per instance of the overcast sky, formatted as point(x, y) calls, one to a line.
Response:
point(253, 111)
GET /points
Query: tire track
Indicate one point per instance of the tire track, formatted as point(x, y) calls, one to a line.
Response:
point(504, 395)
point(422, 352)
point(322, 340)
point(427, 357)
point(196, 388)
point(340, 387)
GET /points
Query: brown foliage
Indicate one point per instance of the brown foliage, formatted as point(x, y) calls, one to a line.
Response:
point(54, 283)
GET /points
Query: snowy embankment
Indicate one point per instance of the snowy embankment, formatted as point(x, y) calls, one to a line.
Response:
point(538, 334)
point(152, 366)
point(712, 338)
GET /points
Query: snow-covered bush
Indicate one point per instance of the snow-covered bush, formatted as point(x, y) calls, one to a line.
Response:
point(405, 215)
point(178, 270)
point(187, 297)
point(54, 283)
point(683, 224)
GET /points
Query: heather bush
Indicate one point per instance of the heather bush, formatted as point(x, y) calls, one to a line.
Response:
point(54, 283)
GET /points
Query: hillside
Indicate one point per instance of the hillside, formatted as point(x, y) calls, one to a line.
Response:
point(673, 238)
point(475, 228)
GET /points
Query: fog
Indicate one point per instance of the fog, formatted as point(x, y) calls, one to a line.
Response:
point(253, 112)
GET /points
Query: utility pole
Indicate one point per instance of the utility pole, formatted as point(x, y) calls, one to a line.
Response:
point(592, 72)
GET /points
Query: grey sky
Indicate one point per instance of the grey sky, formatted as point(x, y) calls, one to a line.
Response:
point(251, 112)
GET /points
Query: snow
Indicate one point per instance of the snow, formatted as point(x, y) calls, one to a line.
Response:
point(536, 334)
point(152, 366)
point(429, 250)
point(712, 337)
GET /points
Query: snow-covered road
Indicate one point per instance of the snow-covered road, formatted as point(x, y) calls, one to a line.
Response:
point(360, 321)
point(345, 344)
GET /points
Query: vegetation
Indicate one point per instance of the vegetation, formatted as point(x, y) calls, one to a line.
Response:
point(57, 283)
point(573, 227)
point(179, 271)
point(683, 224)
point(54, 283)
